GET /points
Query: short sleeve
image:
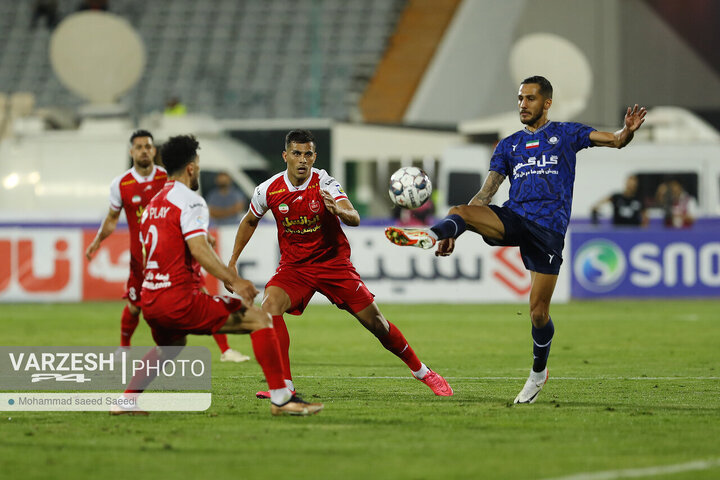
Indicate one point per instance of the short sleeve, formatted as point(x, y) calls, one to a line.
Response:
point(258, 203)
point(194, 218)
point(580, 135)
point(115, 197)
point(498, 162)
point(332, 186)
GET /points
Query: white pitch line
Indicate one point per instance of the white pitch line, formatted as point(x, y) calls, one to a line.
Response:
point(644, 472)
point(583, 379)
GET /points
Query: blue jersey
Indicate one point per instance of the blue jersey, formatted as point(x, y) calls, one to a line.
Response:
point(541, 168)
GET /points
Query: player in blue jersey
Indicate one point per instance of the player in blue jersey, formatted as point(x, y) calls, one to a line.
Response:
point(540, 163)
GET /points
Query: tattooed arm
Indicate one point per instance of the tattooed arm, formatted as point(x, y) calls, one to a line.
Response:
point(491, 185)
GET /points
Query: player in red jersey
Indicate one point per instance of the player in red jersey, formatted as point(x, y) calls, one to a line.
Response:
point(131, 192)
point(174, 232)
point(308, 205)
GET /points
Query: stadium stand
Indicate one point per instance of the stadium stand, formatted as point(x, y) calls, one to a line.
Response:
point(227, 58)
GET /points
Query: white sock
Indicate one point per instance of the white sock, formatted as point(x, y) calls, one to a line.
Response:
point(422, 372)
point(538, 376)
point(280, 396)
point(290, 385)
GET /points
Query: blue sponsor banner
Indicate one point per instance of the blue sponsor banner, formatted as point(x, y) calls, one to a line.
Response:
point(645, 263)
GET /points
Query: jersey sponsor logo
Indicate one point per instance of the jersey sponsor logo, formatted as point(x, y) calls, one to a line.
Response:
point(532, 144)
point(283, 208)
point(600, 265)
point(140, 213)
point(310, 224)
point(535, 162)
point(195, 205)
point(314, 206)
point(274, 192)
point(136, 199)
point(161, 212)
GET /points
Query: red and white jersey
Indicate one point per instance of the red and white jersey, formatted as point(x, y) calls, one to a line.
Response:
point(307, 232)
point(132, 192)
point(175, 215)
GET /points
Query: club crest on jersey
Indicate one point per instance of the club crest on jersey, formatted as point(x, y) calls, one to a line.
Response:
point(314, 206)
point(136, 199)
point(283, 208)
point(532, 144)
point(553, 140)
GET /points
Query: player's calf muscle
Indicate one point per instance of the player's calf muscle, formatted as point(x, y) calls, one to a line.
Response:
point(480, 219)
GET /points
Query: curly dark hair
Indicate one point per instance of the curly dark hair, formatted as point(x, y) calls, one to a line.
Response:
point(179, 151)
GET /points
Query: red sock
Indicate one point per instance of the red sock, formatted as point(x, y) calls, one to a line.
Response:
point(265, 346)
point(221, 340)
point(396, 343)
point(128, 324)
point(284, 342)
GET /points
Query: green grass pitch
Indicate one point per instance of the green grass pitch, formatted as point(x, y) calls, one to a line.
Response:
point(632, 385)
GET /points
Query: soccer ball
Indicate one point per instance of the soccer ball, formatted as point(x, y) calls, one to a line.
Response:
point(410, 187)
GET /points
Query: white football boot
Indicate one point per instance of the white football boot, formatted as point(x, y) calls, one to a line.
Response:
point(533, 385)
point(231, 355)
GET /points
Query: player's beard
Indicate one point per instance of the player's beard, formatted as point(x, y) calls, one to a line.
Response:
point(532, 120)
point(144, 162)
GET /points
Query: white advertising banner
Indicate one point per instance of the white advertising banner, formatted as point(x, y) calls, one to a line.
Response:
point(48, 264)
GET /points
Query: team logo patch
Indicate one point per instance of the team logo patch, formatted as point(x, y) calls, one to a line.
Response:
point(340, 189)
point(532, 144)
point(553, 140)
point(283, 208)
point(314, 206)
point(136, 199)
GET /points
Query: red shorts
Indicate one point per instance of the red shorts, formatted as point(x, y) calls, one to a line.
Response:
point(133, 287)
point(194, 313)
point(341, 284)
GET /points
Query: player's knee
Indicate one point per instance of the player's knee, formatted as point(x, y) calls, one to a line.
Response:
point(460, 210)
point(273, 305)
point(256, 319)
point(134, 310)
point(539, 315)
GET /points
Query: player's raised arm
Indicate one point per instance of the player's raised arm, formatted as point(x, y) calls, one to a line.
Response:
point(489, 188)
point(108, 227)
point(634, 117)
point(342, 208)
point(209, 260)
point(245, 231)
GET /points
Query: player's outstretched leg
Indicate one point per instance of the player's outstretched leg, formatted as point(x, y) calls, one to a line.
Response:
point(393, 340)
point(451, 226)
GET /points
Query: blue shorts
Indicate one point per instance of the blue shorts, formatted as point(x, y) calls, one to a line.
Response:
point(540, 248)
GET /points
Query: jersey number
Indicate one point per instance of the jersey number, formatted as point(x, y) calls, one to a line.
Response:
point(152, 239)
